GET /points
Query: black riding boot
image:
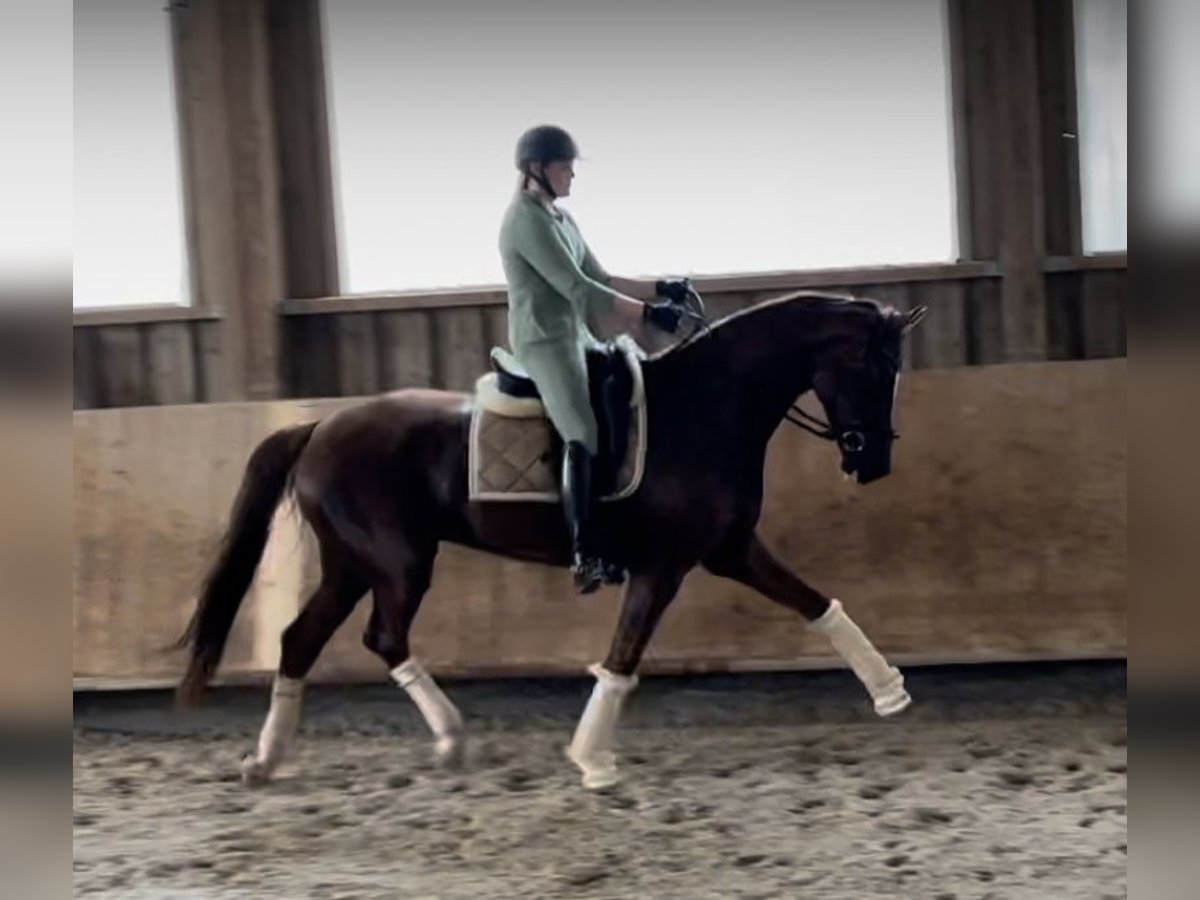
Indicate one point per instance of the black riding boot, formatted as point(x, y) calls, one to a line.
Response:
point(577, 504)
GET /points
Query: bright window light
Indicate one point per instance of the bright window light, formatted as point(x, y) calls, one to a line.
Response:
point(129, 227)
point(717, 138)
point(1102, 76)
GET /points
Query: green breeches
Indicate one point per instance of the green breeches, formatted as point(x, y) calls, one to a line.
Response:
point(560, 371)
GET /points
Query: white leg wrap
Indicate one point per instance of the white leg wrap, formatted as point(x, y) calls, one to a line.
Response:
point(592, 747)
point(442, 716)
point(883, 682)
point(278, 730)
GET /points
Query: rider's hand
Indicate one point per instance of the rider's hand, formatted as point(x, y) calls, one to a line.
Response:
point(663, 315)
point(674, 289)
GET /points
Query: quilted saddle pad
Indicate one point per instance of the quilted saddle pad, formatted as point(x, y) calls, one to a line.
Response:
point(515, 458)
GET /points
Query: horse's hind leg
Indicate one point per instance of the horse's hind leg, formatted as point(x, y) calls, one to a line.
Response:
point(591, 749)
point(402, 573)
point(754, 565)
point(302, 641)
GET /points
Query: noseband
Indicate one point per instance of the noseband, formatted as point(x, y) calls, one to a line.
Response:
point(851, 440)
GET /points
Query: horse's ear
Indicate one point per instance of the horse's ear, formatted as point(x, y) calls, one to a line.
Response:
point(913, 318)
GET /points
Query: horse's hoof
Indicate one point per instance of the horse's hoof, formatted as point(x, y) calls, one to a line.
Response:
point(254, 773)
point(599, 770)
point(893, 703)
point(450, 752)
point(601, 779)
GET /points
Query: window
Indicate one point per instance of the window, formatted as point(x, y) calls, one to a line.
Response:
point(1101, 37)
point(129, 244)
point(717, 138)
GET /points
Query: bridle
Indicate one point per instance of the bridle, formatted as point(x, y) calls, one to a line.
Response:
point(849, 440)
point(854, 439)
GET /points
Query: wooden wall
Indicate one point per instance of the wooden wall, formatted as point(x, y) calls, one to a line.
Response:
point(1001, 534)
point(365, 345)
point(147, 363)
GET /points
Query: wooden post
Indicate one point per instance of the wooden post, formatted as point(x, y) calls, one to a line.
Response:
point(200, 89)
point(1060, 126)
point(305, 176)
point(1014, 114)
point(232, 184)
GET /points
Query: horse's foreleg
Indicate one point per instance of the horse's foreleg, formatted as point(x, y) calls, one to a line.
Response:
point(591, 749)
point(756, 567)
point(302, 642)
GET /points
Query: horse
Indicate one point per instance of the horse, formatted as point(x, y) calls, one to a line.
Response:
point(384, 482)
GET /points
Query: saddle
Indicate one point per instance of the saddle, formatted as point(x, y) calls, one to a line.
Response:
point(517, 454)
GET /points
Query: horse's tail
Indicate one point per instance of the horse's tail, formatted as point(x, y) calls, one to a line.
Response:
point(267, 476)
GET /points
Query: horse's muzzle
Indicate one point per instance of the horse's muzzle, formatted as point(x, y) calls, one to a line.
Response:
point(867, 467)
point(867, 477)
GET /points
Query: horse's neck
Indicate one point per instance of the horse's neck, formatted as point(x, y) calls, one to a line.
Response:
point(758, 362)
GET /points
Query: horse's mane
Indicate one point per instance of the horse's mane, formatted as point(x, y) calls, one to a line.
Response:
point(824, 300)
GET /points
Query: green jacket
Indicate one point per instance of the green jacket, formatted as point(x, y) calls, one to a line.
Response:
point(554, 281)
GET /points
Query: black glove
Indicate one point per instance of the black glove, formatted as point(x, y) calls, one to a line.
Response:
point(662, 315)
point(674, 289)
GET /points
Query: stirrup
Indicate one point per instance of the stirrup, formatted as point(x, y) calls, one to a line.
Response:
point(614, 573)
point(589, 575)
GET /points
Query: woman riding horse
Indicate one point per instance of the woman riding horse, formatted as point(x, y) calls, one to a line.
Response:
point(554, 284)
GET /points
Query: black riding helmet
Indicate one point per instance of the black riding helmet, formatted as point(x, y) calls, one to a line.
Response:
point(544, 144)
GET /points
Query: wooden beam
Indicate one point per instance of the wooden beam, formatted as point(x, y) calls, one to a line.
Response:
point(960, 117)
point(1022, 221)
point(139, 315)
point(231, 191)
point(998, 122)
point(1055, 30)
point(1099, 262)
point(974, 87)
point(200, 80)
point(302, 140)
point(449, 298)
point(251, 326)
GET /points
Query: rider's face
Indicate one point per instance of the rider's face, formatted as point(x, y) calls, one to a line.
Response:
point(560, 174)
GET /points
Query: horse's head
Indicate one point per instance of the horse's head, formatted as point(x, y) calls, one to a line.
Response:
point(856, 382)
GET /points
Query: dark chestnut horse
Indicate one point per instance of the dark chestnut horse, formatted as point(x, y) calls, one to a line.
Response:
point(382, 484)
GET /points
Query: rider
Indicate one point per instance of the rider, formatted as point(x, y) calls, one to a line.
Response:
point(554, 285)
